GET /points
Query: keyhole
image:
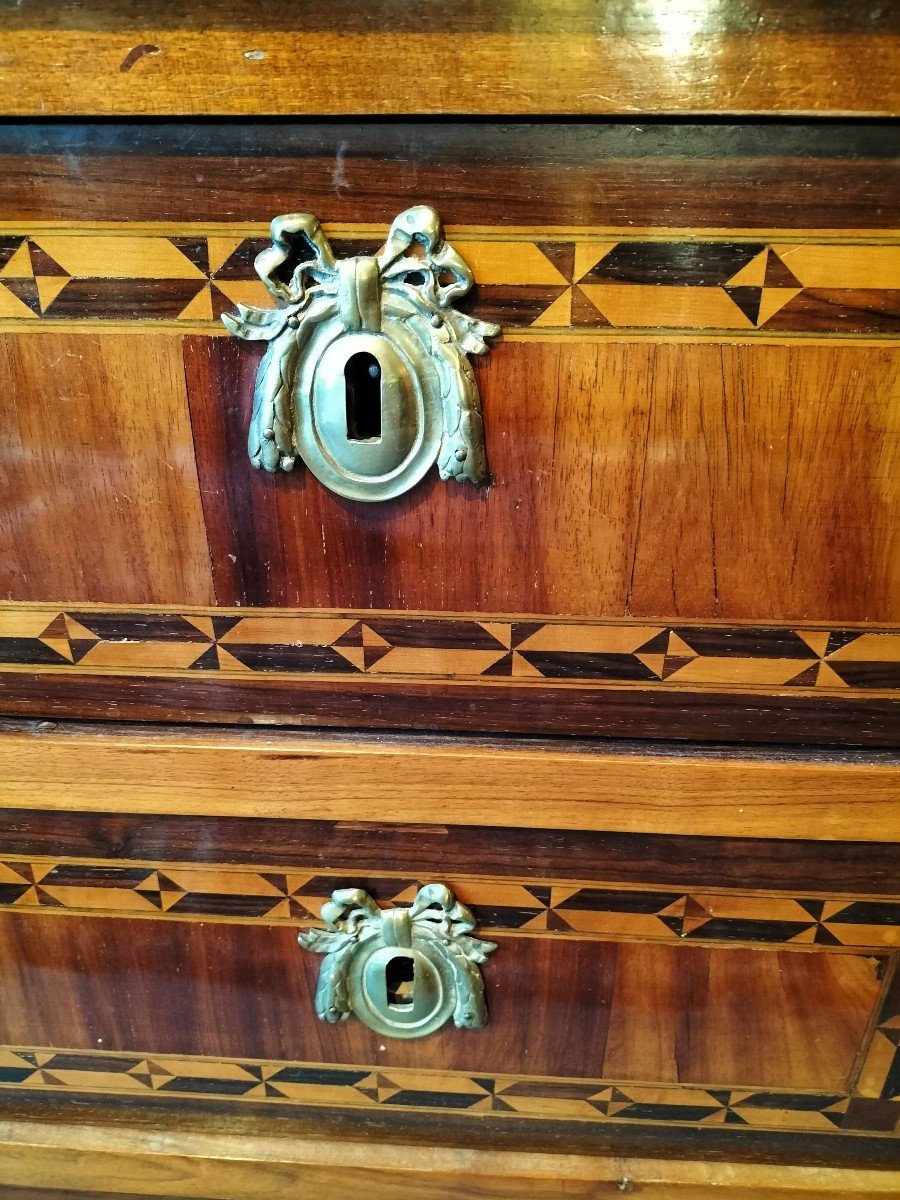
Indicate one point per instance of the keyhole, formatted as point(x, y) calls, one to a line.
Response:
point(362, 385)
point(399, 978)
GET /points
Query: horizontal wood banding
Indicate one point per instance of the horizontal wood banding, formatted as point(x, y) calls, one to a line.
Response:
point(309, 777)
point(843, 868)
point(401, 647)
point(801, 175)
point(461, 708)
point(592, 283)
point(574, 17)
point(271, 1166)
point(544, 906)
point(140, 67)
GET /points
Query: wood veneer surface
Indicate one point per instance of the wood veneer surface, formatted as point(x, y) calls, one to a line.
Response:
point(560, 1008)
point(843, 867)
point(392, 779)
point(707, 481)
point(680, 474)
point(629, 480)
point(630, 174)
point(100, 484)
point(530, 58)
point(49, 1162)
point(717, 717)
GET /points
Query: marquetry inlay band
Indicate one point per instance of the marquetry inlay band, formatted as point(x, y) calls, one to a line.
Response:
point(392, 646)
point(534, 907)
point(138, 1075)
point(591, 282)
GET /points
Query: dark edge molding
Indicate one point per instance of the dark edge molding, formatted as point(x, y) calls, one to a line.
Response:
point(370, 704)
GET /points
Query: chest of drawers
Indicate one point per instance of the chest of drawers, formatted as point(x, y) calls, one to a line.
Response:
point(580, 764)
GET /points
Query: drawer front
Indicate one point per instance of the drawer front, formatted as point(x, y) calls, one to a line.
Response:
point(691, 523)
point(643, 983)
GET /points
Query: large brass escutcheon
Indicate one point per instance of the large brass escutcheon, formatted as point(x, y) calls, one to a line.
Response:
point(403, 972)
point(366, 377)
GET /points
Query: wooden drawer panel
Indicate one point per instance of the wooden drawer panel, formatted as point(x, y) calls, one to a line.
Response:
point(565, 1006)
point(691, 525)
point(644, 982)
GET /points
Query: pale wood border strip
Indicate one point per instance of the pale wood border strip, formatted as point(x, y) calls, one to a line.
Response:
point(438, 781)
point(125, 1160)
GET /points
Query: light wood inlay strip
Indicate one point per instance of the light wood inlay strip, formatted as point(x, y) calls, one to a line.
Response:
point(232, 773)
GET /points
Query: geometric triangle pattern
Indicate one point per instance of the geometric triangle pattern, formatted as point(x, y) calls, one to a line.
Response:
point(716, 657)
point(285, 1083)
point(597, 280)
point(211, 891)
point(879, 1077)
point(763, 286)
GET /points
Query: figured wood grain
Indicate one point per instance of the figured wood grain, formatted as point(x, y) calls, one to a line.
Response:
point(525, 59)
point(707, 481)
point(801, 175)
point(96, 1160)
point(733, 481)
point(690, 1008)
point(713, 1016)
point(404, 780)
point(99, 481)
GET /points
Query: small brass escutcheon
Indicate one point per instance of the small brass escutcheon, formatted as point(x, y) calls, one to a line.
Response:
point(366, 377)
point(403, 971)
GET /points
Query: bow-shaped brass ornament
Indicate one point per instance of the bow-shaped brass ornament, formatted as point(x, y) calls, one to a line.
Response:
point(428, 945)
point(394, 310)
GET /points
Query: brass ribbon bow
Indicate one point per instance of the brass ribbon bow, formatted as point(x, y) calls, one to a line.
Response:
point(435, 916)
point(299, 269)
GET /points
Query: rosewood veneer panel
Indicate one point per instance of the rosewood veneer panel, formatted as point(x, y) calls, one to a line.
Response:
point(572, 1008)
point(99, 474)
point(707, 481)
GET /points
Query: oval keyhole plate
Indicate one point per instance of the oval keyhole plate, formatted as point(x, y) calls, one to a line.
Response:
point(369, 412)
point(400, 992)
